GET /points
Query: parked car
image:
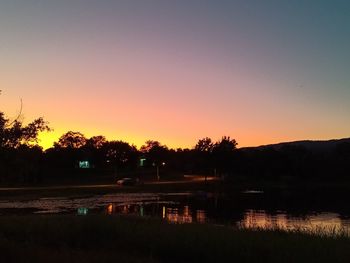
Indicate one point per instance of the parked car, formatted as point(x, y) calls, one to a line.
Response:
point(127, 181)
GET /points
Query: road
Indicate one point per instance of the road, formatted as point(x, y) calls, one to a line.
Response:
point(187, 179)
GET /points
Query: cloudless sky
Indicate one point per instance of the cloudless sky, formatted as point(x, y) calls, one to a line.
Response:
point(176, 71)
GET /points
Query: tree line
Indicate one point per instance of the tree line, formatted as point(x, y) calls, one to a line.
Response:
point(75, 156)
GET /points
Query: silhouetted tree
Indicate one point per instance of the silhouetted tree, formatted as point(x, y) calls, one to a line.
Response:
point(156, 155)
point(15, 134)
point(19, 155)
point(93, 151)
point(71, 140)
point(149, 145)
point(204, 145)
point(203, 156)
point(225, 145)
point(155, 152)
point(120, 154)
point(96, 142)
point(223, 153)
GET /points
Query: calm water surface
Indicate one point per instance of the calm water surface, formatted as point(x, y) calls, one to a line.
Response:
point(247, 209)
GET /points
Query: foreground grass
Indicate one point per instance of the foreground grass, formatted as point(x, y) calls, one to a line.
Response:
point(66, 238)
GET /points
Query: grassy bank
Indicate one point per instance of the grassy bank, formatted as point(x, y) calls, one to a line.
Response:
point(64, 238)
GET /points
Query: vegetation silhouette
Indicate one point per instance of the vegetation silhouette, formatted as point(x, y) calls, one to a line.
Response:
point(71, 140)
point(23, 161)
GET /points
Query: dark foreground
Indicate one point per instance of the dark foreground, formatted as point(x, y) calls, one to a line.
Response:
point(67, 238)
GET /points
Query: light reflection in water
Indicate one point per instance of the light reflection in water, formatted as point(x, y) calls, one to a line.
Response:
point(187, 217)
point(325, 222)
point(259, 219)
point(201, 216)
point(187, 208)
point(110, 209)
point(141, 211)
point(249, 219)
point(170, 214)
point(125, 209)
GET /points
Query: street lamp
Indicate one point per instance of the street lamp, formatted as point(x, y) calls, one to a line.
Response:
point(157, 166)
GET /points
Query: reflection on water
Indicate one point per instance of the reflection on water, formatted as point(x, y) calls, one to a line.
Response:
point(201, 216)
point(110, 209)
point(125, 209)
point(250, 218)
point(68, 205)
point(327, 222)
point(249, 209)
point(173, 215)
point(184, 214)
point(170, 214)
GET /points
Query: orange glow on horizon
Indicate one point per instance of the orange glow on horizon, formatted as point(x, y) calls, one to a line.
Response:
point(47, 139)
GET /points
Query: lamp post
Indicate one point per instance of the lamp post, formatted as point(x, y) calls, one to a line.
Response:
point(157, 168)
point(158, 178)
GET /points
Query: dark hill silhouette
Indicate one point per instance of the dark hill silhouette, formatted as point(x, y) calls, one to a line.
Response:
point(317, 146)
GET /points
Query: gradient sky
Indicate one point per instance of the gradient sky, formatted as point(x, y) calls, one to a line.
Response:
point(176, 71)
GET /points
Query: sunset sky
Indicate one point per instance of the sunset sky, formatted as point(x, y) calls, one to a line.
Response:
point(176, 71)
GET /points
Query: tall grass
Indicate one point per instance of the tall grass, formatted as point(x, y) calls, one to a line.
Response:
point(66, 238)
point(321, 231)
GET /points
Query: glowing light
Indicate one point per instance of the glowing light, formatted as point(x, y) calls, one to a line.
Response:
point(142, 162)
point(201, 216)
point(141, 211)
point(82, 211)
point(110, 209)
point(187, 217)
point(84, 164)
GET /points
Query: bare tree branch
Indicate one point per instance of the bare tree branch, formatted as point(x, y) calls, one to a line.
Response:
point(18, 115)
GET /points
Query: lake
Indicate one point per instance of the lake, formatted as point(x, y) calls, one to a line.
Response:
point(248, 209)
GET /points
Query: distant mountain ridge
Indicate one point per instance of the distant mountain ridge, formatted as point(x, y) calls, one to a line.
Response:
point(311, 145)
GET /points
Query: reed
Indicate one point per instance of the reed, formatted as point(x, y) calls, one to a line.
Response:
point(98, 238)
